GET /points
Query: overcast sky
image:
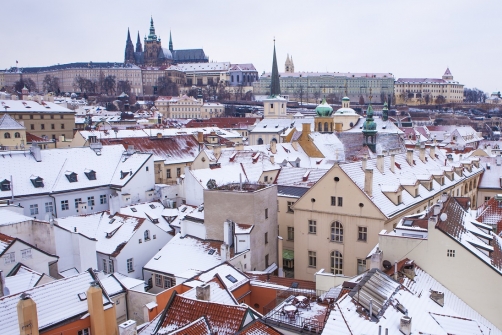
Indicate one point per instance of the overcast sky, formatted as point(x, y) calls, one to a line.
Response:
point(408, 38)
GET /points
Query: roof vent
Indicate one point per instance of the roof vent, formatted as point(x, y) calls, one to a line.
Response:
point(437, 297)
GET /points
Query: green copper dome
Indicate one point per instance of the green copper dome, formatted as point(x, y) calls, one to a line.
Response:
point(369, 125)
point(324, 109)
point(345, 99)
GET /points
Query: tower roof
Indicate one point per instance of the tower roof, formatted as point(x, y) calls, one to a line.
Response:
point(128, 36)
point(324, 109)
point(170, 41)
point(447, 72)
point(275, 86)
point(7, 122)
point(152, 36)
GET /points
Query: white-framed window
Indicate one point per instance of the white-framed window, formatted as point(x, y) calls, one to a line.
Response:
point(85, 331)
point(336, 232)
point(312, 227)
point(158, 280)
point(362, 233)
point(64, 205)
point(48, 207)
point(10, 257)
point(168, 282)
point(77, 201)
point(130, 267)
point(26, 253)
point(102, 199)
point(336, 263)
point(312, 259)
point(34, 209)
point(90, 201)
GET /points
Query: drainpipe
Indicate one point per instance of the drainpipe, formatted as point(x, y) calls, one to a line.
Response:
point(55, 207)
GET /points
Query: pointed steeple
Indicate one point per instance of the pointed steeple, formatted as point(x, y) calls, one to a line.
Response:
point(275, 86)
point(128, 36)
point(170, 42)
point(152, 36)
point(447, 74)
point(129, 49)
point(139, 47)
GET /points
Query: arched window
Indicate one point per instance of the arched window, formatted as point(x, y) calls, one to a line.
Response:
point(147, 235)
point(17, 135)
point(336, 232)
point(336, 263)
point(260, 141)
point(319, 126)
point(326, 127)
point(6, 135)
point(274, 140)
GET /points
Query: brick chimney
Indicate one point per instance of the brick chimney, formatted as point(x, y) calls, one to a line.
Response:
point(203, 292)
point(368, 182)
point(409, 156)
point(200, 137)
point(96, 310)
point(27, 316)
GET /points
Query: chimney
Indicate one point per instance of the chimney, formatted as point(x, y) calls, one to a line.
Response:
point(96, 310)
point(405, 325)
point(280, 260)
point(36, 152)
point(200, 137)
point(368, 182)
point(432, 151)
point(376, 259)
point(444, 197)
point(422, 153)
point(436, 209)
point(306, 129)
point(273, 147)
point(128, 328)
point(217, 151)
point(27, 315)
point(409, 156)
point(2, 285)
point(223, 252)
point(499, 160)
point(380, 163)
point(203, 292)
point(437, 297)
point(363, 163)
point(431, 223)
point(392, 162)
point(395, 271)
point(272, 159)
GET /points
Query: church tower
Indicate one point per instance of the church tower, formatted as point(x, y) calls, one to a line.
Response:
point(170, 42)
point(289, 66)
point(139, 47)
point(274, 106)
point(447, 75)
point(152, 47)
point(129, 49)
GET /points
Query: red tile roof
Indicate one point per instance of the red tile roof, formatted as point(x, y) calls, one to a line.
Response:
point(257, 327)
point(198, 327)
point(223, 319)
point(490, 213)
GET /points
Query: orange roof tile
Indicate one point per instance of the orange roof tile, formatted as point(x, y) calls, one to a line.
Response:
point(257, 327)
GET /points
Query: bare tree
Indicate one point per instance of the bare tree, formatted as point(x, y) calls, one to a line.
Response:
point(440, 100)
point(50, 83)
point(317, 94)
point(427, 98)
point(124, 86)
point(28, 82)
point(109, 85)
point(165, 86)
point(361, 100)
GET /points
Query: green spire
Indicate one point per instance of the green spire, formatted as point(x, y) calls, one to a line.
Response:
point(152, 35)
point(275, 86)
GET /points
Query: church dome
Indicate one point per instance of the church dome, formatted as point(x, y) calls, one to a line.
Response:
point(324, 109)
point(166, 54)
point(345, 99)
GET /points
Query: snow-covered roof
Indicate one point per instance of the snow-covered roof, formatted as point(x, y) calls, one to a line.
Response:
point(198, 255)
point(427, 316)
point(111, 232)
point(303, 177)
point(8, 123)
point(50, 311)
point(55, 163)
point(32, 107)
point(230, 276)
point(218, 293)
point(24, 279)
point(278, 125)
point(8, 217)
point(155, 212)
point(211, 66)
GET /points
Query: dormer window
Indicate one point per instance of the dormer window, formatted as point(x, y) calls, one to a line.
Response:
point(37, 182)
point(71, 176)
point(90, 174)
point(5, 185)
point(123, 174)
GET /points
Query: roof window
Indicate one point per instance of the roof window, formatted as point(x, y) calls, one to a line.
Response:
point(5, 185)
point(231, 278)
point(37, 182)
point(71, 176)
point(152, 206)
point(211, 252)
point(134, 210)
point(90, 174)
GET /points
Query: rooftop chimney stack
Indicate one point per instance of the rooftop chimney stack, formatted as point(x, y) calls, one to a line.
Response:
point(203, 292)
point(422, 153)
point(363, 163)
point(368, 182)
point(437, 297)
point(499, 160)
point(380, 163)
point(272, 159)
point(392, 162)
point(376, 260)
point(409, 156)
point(200, 137)
point(444, 197)
point(96, 309)
point(432, 151)
point(273, 147)
point(37, 154)
point(405, 325)
point(27, 315)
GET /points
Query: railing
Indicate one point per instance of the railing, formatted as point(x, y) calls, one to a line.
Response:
point(297, 323)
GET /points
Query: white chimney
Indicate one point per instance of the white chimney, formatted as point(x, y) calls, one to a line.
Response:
point(273, 147)
point(437, 209)
point(272, 159)
point(432, 151)
point(444, 197)
point(405, 325)
point(363, 163)
point(227, 233)
point(223, 252)
point(376, 259)
point(431, 223)
point(203, 292)
point(128, 328)
point(392, 162)
point(368, 182)
point(37, 154)
point(409, 156)
point(380, 163)
point(422, 153)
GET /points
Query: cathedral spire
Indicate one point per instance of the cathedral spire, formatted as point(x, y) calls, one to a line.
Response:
point(128, 36)
point(139, 48)
point(275, 86)
point(170, 41)
point(152, 35)
point(129, 49)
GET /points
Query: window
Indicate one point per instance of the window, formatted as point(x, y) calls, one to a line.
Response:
point(290, 203)
point(361, 266)
point(340, 202)
point(85, 331)
point(158, 280)
point(130, 268)
point(487, 198)
point(312, 259)
point(336, 263)
point(110, 266)
point(266, 261)
point(333, 201)
point(104, 265)
point(31, 117)
point(362, 233)
point(90, 201)
point(291, 233)
point(266, 238)
point(168, 282)
point(32, 126)
point(147, 235)
point(265, 179)
point(312, 227)
point(102, 199)
point(48, 207)
point(10, 257)
point(64, 205)
point(17, 135)
point(42, 126)
point(26, 253)
point(62, 125)
point(77, 201)
point(5, 185)
point(266, 213)
point(450, 253)
point(168, 173)
point(147, 168)
point(336, 232)
point(178, 172)
point(34, 209)
point(6, 135)
point(53, 126)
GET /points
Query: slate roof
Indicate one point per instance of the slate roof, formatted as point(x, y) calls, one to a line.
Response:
point(291, 191)
point(8, 123)
point(188, 55)
point(299, 177)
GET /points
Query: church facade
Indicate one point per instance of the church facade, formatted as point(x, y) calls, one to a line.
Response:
point(152, 54)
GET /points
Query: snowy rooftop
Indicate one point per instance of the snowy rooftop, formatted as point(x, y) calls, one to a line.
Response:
point(32, 107)
point(230, 276)
point(278, 125)
point(8, 123)
point(24, 279)
point(218, 293)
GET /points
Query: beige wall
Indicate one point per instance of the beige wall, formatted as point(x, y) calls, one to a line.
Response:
point(452, 92)
point(63, 123)
point(12, 140)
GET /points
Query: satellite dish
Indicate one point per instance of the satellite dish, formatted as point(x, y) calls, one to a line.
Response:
point(443, 217)
point(387, 265)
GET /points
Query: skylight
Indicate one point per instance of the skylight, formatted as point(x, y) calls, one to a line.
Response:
point(211, 252)
point(231, 278)
point(134, 210)
point(152, 206)
point(91, 174)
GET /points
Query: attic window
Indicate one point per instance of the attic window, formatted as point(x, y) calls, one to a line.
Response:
point(91, 174)
point(82, 296)
point(231, 278)
point(123, 174)
point(152, 206)
point(111, 221)
point(134, 210)
point(71, 176)
point(211, 251)
point(37, 182)
point(5, 185)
